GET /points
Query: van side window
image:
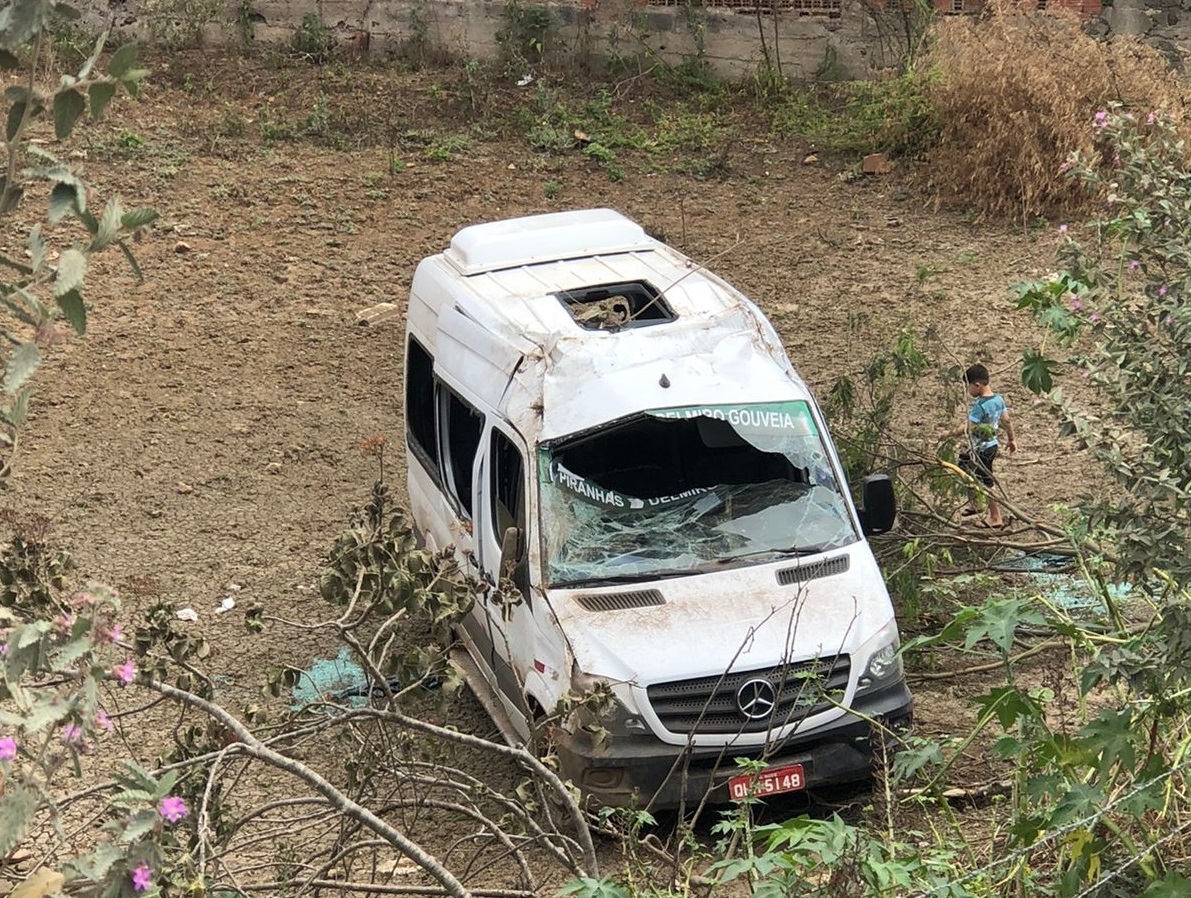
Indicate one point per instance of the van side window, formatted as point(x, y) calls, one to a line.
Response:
point(461, 426)
point(419, 403)
point(508, 486)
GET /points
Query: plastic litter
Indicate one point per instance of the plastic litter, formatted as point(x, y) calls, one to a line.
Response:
point(226, 605)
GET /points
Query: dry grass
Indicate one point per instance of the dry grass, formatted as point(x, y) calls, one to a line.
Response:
point(1015, 93)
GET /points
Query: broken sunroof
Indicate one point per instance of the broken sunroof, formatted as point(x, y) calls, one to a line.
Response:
point(611, 307)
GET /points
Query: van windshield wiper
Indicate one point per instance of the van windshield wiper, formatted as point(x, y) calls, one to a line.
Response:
point(626, 578)
point(789, 552)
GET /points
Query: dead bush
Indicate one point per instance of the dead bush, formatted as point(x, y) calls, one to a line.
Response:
point(1016, 92)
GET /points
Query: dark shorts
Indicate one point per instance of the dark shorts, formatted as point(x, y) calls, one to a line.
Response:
point(979, 464)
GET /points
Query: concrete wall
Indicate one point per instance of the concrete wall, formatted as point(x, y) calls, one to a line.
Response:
point(810, 39)
point(837, 38)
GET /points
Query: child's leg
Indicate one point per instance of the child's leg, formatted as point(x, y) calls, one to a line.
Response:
point(987, 457)
point(969, 465)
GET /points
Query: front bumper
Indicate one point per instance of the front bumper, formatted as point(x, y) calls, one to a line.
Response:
point(641, 771)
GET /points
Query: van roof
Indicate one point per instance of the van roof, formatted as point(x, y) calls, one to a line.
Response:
point(713, 346)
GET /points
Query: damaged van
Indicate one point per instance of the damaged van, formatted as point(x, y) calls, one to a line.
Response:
point(618, 433)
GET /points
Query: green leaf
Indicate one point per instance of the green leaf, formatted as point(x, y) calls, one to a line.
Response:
point(166, 785)
point(65, 198)
point(1110, 736)
point(122, 60)
point(94, 57)
point(139, 825)
point(72, 268)
point(16, 112)
point(36, 247)
point(95, 866)
point(64, 657)
point(138, 218)
point(47, 715)
point(136, 268)
point(21, 365)
point(68, 106)
point(132, 81)
point(138, 777)
point(17, 807)
point(39, 308)
point(1007, 705)
point(131, 796)
point(20, 267)
point(1037, 372)
point(72, 306)
point(21, 20)
point(1172, 885)
point(18, 409)
point(109, 225)
point(100, 94)
point(9, 61)
point(20, 312)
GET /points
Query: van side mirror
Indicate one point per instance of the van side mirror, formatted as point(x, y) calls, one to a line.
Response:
point(878, 505)
point(510, 551)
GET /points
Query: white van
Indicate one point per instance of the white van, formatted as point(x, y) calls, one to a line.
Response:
point(594, 417)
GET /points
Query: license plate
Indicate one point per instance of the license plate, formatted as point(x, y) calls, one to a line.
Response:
point(773, 781)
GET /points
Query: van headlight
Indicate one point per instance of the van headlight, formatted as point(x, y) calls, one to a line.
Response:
point(884, 665)
point(594, 706)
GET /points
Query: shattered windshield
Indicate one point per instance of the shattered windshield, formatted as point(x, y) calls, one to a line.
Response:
point(689, 490)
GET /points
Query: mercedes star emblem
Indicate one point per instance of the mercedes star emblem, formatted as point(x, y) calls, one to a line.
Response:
point(756, 699)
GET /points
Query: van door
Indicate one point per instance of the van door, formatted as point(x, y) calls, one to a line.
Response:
point(501, 531)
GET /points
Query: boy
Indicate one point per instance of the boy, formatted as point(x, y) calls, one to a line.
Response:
point(985, 417)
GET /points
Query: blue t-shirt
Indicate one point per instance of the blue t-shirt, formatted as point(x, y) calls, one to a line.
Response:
point(984, 419)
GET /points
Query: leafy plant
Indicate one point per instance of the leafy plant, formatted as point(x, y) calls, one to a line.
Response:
point(47, 283)
point(1118, 313)
point(312, 40)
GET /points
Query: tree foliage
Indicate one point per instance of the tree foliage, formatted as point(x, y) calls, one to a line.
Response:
point(46, 277)
point(1119, 308)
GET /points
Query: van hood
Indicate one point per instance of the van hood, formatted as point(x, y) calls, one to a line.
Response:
point(738, 619)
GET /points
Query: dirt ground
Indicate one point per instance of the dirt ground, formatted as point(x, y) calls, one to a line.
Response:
point(206, 430)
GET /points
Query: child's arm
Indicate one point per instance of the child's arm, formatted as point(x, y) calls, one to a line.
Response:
point(1010, 438)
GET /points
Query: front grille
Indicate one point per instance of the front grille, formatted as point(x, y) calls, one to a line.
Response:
point(711, 705)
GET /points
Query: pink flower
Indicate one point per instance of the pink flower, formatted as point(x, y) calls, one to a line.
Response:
point(1100, 121)
point(1134, 265)
point(172, 808)
point(1162, 290)
point(1064, 168)
point(1094, 317)
point(72, 734)
point(115, 633)
point(103, 721)
point(1151, 118)
point(142, 877)
point(1076, 302)
point(8, 749)
point(125, 672)
point(1062, 229)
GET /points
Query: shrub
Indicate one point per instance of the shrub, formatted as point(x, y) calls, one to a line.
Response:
point(1015, 94)
point(1119, 303)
